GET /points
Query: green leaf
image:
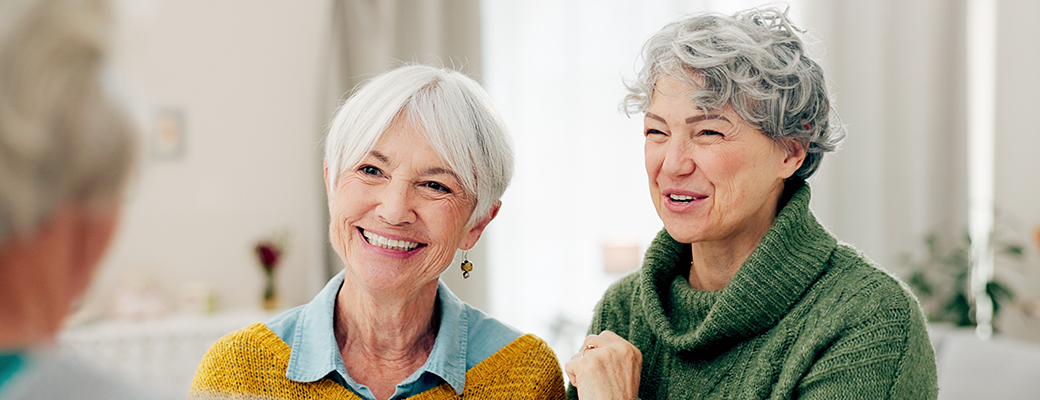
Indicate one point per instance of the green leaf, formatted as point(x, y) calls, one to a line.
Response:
point(919, 284)
point(960, 310)
point(999, 292)
point(1013, 250)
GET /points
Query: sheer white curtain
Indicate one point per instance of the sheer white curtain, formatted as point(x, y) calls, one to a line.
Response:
point(370, 36)
point(897, 71)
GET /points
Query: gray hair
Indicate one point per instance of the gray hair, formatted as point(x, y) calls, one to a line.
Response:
point(458, 118)
point(753, 61)
point(63, 136)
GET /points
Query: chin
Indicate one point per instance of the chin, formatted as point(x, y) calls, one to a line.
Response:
point(682, 235)
point(682, 231)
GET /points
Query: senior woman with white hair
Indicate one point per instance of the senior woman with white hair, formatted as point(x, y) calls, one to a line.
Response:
point(744, 294)
point(416, 161)
point(66, 149)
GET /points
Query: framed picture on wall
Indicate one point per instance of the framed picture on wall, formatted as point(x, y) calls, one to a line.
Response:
point(168, 134)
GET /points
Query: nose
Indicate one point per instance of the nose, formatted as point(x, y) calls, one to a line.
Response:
point(678, 160)
point(395, 205)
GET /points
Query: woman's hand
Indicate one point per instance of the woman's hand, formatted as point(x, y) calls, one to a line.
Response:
point(607, 367)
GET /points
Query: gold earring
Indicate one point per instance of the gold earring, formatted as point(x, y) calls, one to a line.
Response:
point(466, 265)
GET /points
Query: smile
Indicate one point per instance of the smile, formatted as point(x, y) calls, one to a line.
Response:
point(681, 198)
point(386, 243)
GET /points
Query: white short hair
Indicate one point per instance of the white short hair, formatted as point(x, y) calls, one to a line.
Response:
point(458, 118)
point(63, 137)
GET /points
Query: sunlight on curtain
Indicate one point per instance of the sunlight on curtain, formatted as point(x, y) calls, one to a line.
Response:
point(555, 71)
point(982, 79)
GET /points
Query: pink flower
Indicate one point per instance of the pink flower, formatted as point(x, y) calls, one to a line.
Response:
point(269, 254)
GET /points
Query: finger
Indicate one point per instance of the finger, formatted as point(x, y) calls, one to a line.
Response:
point(596, 341)
point(619, 344)
point(586, 344)
point(610, 336)
point(569, 369)
point(591, 343)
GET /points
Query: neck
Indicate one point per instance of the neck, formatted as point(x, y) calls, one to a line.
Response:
point(384, 325)
point(22, 330)
point(39, 280)
point(26, 317)
point(714, 264)
point(384, 339)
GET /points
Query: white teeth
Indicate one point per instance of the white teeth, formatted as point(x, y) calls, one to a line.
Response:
point(680, 197)
point(389, 243)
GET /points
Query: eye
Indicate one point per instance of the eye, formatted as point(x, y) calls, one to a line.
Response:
point(652, 131)
point(437, 186)
point(370, 170)
point(709, 132)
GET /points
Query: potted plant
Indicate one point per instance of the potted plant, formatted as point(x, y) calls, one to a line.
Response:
point(941, 278)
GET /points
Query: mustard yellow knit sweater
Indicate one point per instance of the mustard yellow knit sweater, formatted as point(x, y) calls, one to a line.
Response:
point(251, 363)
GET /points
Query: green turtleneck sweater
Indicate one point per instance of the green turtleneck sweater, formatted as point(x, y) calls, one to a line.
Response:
point(805, 317)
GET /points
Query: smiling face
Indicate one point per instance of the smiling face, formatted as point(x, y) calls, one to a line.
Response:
point(713, 177)
point(399, 215)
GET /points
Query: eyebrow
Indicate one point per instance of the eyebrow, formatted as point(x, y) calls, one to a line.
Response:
point(379, 156)
point(439, 170)
point(690, 120)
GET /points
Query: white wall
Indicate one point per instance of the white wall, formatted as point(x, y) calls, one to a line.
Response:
point(245, 73)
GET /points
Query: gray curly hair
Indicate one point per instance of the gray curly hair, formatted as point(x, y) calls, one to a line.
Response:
point(755, 62)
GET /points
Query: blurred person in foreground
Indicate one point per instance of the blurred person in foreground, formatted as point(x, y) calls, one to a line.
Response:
point(66, 148)
point(415, 163)
point(744, 294)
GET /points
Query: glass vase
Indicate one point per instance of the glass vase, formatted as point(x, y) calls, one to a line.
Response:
point(270, 291)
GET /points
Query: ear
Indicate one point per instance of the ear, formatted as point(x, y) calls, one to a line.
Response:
point(795, 156)
point(474, 233)
point(325, 164)
point(328, 187)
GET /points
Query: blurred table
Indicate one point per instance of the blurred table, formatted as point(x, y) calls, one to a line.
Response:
point(999, 368)
point(159, 353)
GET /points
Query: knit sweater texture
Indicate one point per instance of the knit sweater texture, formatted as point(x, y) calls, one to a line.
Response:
point(250, 364)
point(805, 317)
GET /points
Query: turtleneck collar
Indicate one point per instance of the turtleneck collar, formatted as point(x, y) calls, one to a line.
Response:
point(790, 257)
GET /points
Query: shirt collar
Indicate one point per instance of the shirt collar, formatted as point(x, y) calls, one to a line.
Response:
point(448, 357)
point(314, 350)
point(315, 353)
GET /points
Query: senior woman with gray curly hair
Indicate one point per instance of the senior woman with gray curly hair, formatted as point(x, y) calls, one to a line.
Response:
point(416, 161)
point(744, 294)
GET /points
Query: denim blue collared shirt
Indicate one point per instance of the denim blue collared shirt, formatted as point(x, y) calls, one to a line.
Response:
point(466, 337)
